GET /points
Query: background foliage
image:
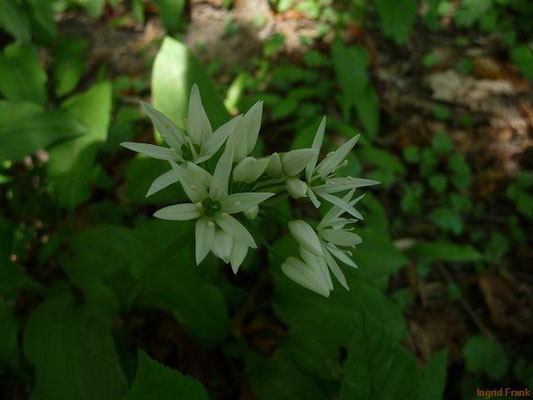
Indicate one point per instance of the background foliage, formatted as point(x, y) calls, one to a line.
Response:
point(100, 301)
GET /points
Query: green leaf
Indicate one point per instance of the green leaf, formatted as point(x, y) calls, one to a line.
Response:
point(462, 177)
point(444, 251)
point(43, 24)
point(14, 20)
point(522, 56)
point(350, 65)
point(157, 381)
point(94, 7)
point(377, 367)
point(71, 163)
point(377, 256)
point(447, 219)
point(102, 256)
point(433, 378)
point(171, 12)
point(23, 78)
point(9, 353)
point(278, 378)
point(484, 355)
point(471, 11)
point(397, 18)
point(150, 266)
point(26, 127)
point(73, 352)
point(316, 353)
point(177, 286)
point(69, 64)
point(175, 71)
point(441, 143)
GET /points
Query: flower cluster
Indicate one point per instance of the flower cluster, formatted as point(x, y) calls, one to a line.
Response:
point(224, 199)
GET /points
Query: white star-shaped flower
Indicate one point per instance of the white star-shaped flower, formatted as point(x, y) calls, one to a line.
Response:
point(212, 207)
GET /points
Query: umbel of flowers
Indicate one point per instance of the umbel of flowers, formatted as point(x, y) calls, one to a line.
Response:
point(223, 199)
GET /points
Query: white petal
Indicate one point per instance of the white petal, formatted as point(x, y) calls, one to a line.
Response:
point(306, 236)
point(222, 245)
point(237, 141)
point(162, 181)
point(341, 203)
point(340, 184)
point(205, 235)
point(340, 237)
point(238, 202)
point(238, 254)
point(179, 212)
point(216, 140)
point(296, 188)
point(317, 144)
point(151, 150)
point(199, 126)
point(295, 161)
point(198, 174)
point(335, 269)
point(335, 211)
point(235, 229)
point(219, 183)
point(319, 265)
point(195, 191)
point(341, 255)
point(252, 124)
point(313, 198)
point(302, 274)
point(165, 126)
point(329, 164)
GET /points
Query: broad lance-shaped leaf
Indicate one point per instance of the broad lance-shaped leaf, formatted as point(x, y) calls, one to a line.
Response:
point(444, 251)
point(157, 381)
point(27, 127)
point(377, 367)
point(351, 72)
point(14, 20)
point(179, 287)
point(71, 163)
point(23, 78)
point(174, 72)
point(278, 378)
point(73, 352)
point(69, 64)
point(397, 18)
point(433, 378)
point(171, 12)
point(43, 24)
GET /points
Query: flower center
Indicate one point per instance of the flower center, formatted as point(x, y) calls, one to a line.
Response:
point(210, 207)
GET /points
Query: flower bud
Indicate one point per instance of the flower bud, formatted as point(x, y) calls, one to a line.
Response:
point(296, 188)
point(295, 161)
point(249, 170)
point(251, 213)
point(273, 168)
point(304, 275)
point(306, 236)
